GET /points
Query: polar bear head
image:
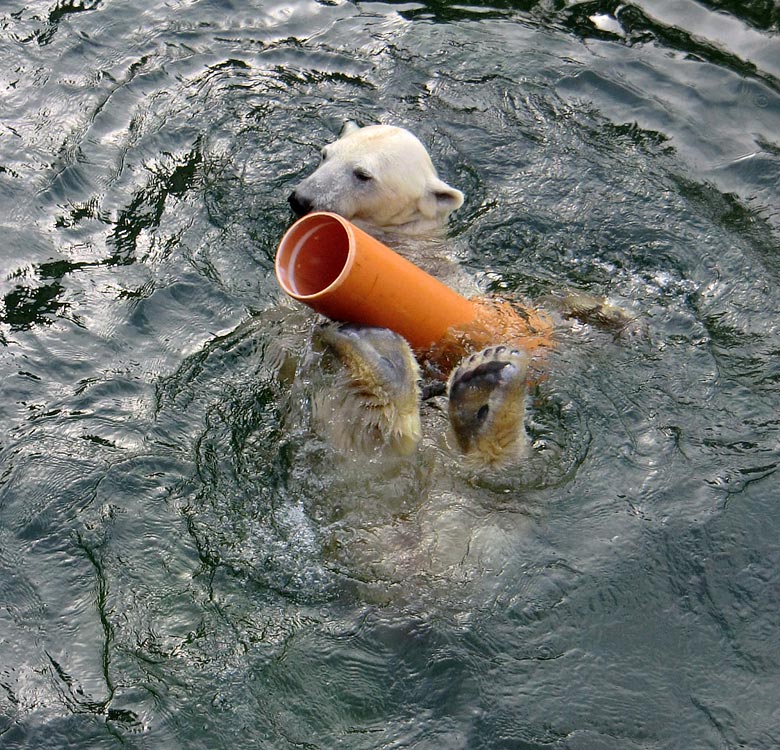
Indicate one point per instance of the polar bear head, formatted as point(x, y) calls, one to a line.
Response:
point(380, 176)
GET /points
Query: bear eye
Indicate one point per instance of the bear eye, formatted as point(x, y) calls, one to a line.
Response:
point(362, 175)
point(323, 154)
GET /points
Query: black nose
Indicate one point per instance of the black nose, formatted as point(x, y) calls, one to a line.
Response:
point(301, 206)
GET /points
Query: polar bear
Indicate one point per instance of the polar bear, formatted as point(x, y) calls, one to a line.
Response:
point(382, 178)
point(379, 176)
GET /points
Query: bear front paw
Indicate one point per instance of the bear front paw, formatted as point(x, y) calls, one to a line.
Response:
point(373, 402)
point(487, 394)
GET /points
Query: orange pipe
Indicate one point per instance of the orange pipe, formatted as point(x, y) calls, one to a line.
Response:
point(345, 274)
point(336, 268)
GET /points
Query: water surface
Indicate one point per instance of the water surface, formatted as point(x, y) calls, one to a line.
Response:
point(182, 565)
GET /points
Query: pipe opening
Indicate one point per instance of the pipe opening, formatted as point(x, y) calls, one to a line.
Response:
point(313, 255)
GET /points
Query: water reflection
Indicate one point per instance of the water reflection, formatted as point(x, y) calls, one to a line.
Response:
point(183, 564)
point(26, 306)
point(754, 13)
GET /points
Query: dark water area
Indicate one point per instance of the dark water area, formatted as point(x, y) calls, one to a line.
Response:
point(183, 565)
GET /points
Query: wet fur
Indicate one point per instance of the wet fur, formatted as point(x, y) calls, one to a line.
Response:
point(382, 177)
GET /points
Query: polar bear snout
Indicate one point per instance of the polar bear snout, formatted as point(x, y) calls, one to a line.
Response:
point(300, 205)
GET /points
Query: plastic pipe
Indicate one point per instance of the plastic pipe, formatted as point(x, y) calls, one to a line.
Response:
point(336, 268)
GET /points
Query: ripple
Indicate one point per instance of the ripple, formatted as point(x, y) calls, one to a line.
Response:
point(183, 563)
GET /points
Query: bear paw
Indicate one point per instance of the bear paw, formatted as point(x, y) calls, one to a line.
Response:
point(373, 401)
point(487, 405)
point(593, 311)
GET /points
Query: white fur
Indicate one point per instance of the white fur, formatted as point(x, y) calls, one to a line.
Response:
point(380, 176)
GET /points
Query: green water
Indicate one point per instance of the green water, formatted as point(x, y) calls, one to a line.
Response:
point(182, 565)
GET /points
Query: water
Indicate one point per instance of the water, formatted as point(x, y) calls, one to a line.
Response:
point(184, 566)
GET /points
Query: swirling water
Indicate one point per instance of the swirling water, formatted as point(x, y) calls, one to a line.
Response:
point(167, 524)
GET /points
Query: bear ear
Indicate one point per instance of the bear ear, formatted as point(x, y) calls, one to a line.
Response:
point(350, 126)
point(440, 200)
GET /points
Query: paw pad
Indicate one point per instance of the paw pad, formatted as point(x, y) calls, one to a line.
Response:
point(487, 403)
